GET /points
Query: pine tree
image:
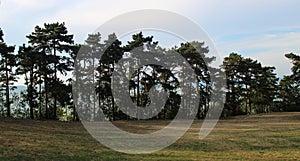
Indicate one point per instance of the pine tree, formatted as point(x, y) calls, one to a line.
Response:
point(27, 60)
point(7, 77)
point(54, 42)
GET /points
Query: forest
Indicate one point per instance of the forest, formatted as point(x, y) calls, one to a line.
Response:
point(46, 63)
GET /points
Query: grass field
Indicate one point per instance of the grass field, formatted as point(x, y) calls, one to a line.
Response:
point(274, 136)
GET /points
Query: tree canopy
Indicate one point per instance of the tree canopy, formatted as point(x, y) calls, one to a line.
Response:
point(46, 63)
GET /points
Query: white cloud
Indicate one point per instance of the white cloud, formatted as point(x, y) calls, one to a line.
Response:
point(277, 59)
point(268, 49)
point(86, 16)
point(33, 4)
point(218, 18)
point(16, 8)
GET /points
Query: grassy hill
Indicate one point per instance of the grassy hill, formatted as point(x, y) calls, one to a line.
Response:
point(274, 136)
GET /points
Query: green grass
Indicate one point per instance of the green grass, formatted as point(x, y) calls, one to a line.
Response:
point(274, 136)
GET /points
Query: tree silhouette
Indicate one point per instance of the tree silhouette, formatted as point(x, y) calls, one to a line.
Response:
point(53, 41)
point(289, 87)
point(7, 76)
point(27, 60)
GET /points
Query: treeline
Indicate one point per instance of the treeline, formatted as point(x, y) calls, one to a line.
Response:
point(47, 60)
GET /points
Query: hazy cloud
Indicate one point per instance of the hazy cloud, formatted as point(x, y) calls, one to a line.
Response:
point(269, 49)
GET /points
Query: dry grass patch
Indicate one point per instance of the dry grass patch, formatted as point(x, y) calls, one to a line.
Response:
point(274, 136)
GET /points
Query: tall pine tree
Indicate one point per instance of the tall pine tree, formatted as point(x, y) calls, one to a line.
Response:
point(7, 77)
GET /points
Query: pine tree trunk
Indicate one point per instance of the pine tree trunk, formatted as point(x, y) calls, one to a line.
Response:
point(94, 96)
point(46, 97)
point(138, 94)
point(7, 90)
point(55, 79)
point(112, 98)
point(30, 93)
point(99, 94)
point(40, 97)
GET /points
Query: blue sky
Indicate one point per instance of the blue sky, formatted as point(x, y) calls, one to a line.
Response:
point(263, 30)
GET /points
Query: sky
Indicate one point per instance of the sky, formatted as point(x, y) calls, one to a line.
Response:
point(262, 30)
